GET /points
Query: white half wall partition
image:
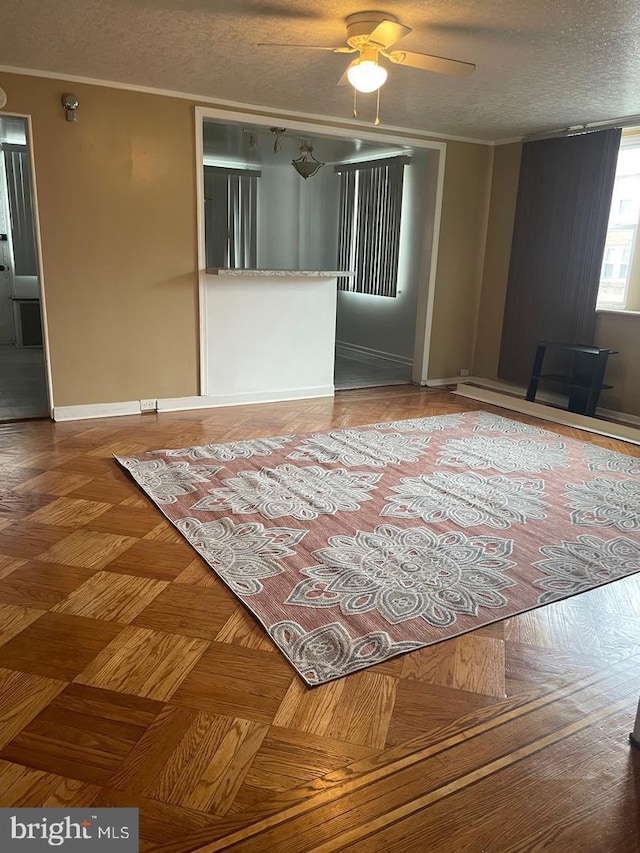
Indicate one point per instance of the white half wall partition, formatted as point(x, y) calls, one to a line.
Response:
point(272, 342)
point(270, 335)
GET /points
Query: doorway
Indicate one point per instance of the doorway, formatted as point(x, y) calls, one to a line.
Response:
point(23, 376)
point(354, 369)
point(375, 333)
point(392, 336)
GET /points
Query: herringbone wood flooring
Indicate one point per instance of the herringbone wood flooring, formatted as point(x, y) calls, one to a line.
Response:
point(131, 676)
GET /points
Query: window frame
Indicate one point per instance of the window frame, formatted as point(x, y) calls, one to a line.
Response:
point(630, 139)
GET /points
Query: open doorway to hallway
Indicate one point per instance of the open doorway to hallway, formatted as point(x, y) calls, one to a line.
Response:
point(387, 205)
point(23, 384)
point(360, 369)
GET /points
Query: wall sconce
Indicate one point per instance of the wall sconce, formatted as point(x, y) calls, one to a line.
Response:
point(70, 104)
point(306, 165)
point(3, 97)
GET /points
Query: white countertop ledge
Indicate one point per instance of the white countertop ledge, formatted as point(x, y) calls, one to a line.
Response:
point(279, 273)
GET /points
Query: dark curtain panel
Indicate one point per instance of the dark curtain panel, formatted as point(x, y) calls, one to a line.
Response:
point(562, 212)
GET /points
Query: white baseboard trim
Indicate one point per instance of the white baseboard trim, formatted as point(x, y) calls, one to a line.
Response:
point(542, 395)
point(559, 416)
point(181, 404)
point(499, 385)
point(611, 414)
point(389, 356)
point(184, 404)
point(96, 410)
point(448, 380)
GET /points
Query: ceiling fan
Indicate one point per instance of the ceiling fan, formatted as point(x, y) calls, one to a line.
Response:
point(371, 35)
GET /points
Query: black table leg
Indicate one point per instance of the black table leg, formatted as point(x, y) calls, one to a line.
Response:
point(535, 373)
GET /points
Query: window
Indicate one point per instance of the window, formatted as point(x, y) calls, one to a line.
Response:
point(230, 217)
point(619, 281)
point(16, 162)
point(369, 235)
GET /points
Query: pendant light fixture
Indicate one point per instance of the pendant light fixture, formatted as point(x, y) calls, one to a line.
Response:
point(306, 165)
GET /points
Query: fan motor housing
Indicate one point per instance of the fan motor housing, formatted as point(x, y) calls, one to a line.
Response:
point(362, 24)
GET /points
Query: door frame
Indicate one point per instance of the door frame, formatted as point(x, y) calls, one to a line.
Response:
point(38, 242)
point(328, 127)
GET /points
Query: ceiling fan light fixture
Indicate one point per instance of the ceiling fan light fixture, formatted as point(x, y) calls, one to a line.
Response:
point(366, 75)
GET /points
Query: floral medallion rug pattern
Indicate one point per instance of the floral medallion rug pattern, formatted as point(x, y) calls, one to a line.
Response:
point(355, 545)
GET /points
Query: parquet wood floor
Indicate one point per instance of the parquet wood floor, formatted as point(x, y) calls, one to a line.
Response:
point(129, 675)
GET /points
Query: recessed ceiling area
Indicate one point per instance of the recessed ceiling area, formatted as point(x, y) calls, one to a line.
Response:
point(541, 64)
point(252, 144)
point(295, 220)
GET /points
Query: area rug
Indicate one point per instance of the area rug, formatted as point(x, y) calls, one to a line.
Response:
point(358, 544)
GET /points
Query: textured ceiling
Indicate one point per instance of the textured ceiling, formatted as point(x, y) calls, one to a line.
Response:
point(541, 64)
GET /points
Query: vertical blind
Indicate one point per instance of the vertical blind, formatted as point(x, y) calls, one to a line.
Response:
point(230, 217)
point(560, 229)
point(16, 159)
point(370, 214)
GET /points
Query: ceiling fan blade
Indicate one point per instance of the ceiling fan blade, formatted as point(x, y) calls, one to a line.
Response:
point(388, 33)
point(307, 47)
point(343, 81)
point(427, 62)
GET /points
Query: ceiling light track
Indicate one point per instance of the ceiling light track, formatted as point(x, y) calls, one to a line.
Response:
point(589, 127)
point(306, 165)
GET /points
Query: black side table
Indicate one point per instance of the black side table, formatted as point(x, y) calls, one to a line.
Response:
point(583, 383)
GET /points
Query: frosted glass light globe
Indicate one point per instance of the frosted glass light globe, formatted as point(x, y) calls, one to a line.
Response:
point(366, 75)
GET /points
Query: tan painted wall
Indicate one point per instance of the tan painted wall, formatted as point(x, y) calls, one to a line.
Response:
point(504, 190)
point(116, 195)
point(117, 204)
point(621, 332)
point(465, 208)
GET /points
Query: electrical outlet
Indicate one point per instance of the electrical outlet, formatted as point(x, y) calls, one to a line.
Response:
point(464, 371)
point(148, 405)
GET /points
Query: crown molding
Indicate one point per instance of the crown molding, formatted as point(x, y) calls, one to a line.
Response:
point(255, 109)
